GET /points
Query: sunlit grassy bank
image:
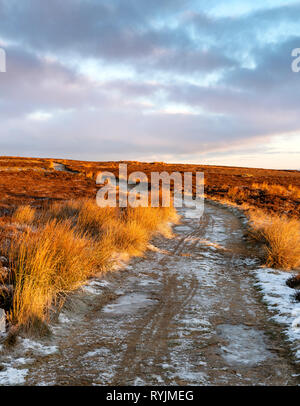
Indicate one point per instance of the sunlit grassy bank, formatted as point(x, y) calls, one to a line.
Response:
point(279, 233)
point(281, 236)
point(59, 247)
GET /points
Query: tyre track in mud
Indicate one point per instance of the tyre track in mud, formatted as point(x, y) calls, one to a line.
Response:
point(151, 336)
point(149, 340)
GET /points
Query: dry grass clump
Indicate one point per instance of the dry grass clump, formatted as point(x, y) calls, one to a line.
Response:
point(61, 211)
point(237, 193)
point(71, 242)
point(24, 215)
point(47, 262)
point(281, 236)
point(294, 191)
point(92, 218)
point(131, 237)
point(279, 190)
point(154, 218)
point(149, 217)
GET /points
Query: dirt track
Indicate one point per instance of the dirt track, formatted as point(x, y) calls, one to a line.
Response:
point(187, 314)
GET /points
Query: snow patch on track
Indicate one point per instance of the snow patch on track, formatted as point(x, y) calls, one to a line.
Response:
point(279, 299)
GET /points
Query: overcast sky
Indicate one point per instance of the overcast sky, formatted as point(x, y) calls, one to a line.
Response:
point(170, 80)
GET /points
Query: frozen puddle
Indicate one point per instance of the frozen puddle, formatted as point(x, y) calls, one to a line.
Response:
point(279, 299)
point(244, 346)
point(128, 304)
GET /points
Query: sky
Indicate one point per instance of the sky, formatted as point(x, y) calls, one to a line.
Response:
point(192, 81)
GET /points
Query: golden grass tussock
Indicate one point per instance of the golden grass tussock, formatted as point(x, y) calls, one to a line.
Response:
point(24, 215)
point(237, 193)
point(61, 211)
point(281, 236)
point(131, 237)
point(279, 233)
point(294, 191)
point(154, 219)
point(71, 242)
point(279, 190)
point(47, 262)
point(92, 218)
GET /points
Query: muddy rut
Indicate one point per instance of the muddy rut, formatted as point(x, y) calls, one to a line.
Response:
point(187, 313)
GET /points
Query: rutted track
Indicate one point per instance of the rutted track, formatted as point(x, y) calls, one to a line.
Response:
point(186, 313)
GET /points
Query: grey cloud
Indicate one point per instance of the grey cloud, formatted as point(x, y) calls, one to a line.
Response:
point(112, 32)
point(244, 30)
point(109, 119)
point(32, 83)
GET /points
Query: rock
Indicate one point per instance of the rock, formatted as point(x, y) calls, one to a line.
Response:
point(4, 261)
point(2, 321)
point(6, 297)
point(4, 274)
point(294, 282)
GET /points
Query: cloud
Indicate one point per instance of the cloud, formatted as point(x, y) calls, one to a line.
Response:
point(113, 32)
point(232, 74)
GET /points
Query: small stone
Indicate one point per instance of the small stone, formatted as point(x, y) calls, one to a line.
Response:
point(4, 261)
point(4, 274)
point(294, 282)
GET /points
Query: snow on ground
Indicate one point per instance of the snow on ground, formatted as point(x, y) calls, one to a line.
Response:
point(38, 348)
point(94, 286)
point(13, 376)
point(280, 300)
point(14, 365)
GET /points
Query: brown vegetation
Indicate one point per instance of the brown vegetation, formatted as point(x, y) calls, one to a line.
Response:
point(24, 215)
point(70, 242)
point(40, 182)
point(281, 236)
point(56, 237)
